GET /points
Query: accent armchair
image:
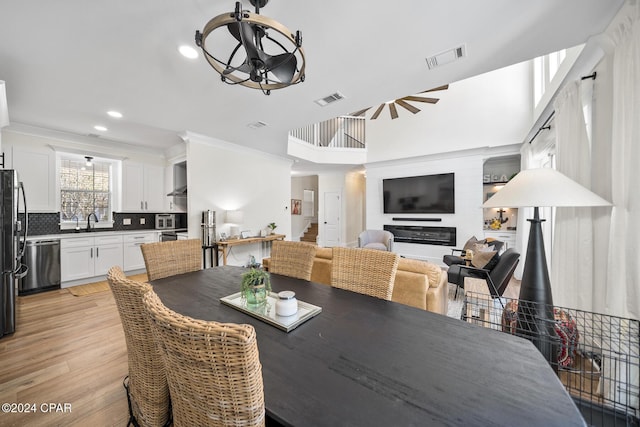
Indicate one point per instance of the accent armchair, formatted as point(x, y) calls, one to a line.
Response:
point(376, 239)
point(497, 278)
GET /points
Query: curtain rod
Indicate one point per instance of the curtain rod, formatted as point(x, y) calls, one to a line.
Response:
point(544, 125)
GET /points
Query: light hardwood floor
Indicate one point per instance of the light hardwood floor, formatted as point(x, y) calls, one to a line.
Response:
point(66, 350)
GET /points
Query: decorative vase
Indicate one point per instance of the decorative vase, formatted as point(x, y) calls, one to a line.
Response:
point(256, 295)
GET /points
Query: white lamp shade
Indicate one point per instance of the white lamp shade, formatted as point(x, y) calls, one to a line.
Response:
point(543, 187)
point(235, 217)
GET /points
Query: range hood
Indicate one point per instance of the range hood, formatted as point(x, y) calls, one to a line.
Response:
point(179, 180)
point(180, 191)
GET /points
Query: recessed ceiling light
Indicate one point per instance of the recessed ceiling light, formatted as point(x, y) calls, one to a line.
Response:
point(115, 114)
point(100, 128)
point(188, 51)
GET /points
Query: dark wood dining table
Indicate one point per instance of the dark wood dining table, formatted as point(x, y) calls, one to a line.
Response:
point(364, 361)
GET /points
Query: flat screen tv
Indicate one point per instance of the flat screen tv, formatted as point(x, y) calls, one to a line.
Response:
point(419, 194)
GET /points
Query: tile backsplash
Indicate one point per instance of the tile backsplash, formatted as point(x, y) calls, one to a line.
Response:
point(48, 223)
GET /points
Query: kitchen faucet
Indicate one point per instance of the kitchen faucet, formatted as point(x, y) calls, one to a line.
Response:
point(76, 218)
point(89, 220)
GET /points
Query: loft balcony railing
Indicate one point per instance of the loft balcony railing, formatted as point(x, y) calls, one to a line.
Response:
point(340, 132)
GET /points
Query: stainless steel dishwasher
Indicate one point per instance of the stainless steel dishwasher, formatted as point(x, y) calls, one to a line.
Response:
point(42, 257)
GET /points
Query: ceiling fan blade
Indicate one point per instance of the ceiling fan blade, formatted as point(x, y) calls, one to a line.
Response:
point(393, 111)
point(444, 87)
point(243, 68)
point(406, 106)
point(282, 66)
point(234, 29)
point(361, 112)
point(247, 38)
point(420, 99)
point(377, 112)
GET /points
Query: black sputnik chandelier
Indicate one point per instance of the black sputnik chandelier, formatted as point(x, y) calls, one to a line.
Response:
point(273, 56)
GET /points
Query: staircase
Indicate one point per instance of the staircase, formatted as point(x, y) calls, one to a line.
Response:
point(311, 234)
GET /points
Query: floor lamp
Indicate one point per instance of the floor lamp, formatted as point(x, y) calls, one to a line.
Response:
point(540, 188)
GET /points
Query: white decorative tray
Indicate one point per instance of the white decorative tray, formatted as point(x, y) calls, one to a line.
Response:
point(267, 312)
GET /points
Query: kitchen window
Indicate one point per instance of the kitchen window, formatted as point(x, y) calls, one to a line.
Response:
point(85, 188)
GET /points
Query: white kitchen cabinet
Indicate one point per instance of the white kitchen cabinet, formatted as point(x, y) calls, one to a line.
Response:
point(76, 262)
point(142, 187)
point(37, 170)
point(108, 252)
point(89, 256)
point(133, 259)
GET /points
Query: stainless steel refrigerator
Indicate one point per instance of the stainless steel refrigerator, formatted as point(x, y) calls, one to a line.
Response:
point(13, 235)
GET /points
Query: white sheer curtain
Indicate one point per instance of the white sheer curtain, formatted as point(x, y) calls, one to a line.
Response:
point(623, 285)
point(573, 245)
point(538, 154)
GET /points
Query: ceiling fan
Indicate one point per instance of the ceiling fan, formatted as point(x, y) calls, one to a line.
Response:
point(393, 111)
point(267, 64)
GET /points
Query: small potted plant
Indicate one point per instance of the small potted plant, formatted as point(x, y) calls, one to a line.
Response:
point(256, 285)
point(272, 226)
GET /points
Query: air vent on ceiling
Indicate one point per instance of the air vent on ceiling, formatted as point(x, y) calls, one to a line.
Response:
point(257, 125)
point(323, 102)
point(93, 135)
point(446, 57)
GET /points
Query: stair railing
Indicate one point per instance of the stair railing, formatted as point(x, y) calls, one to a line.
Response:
point(339, 132)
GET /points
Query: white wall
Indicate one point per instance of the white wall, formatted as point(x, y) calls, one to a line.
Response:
point(467, 167)
point(223, 176)
point(489, 110)
point(355, 207)
point(4, 110)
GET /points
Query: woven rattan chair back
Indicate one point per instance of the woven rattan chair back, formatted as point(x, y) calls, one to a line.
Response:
point(366, 271)
point(148, 391)
point(293, 259)
point(164, 259)
point(214, 372)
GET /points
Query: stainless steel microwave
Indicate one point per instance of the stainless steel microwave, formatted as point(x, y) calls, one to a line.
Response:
point(165, 221)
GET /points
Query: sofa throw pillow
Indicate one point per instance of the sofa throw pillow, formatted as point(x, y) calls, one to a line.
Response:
point(480, 259)
point(480, 247)
point(472, 241)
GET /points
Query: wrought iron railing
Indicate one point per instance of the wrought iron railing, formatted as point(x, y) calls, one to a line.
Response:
point(596, 356)
point(340, 132)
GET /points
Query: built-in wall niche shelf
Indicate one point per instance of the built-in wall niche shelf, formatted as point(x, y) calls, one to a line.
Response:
point(496, 173)
point(499, 170)
point(495, 179)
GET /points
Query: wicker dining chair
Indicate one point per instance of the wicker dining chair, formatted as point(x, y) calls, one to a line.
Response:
point(213, 369)
point(164, 259)
point(146, 384)
point(293, 259)
point(366, 271)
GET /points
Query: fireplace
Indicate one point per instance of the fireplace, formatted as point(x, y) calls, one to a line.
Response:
point(443, 236)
